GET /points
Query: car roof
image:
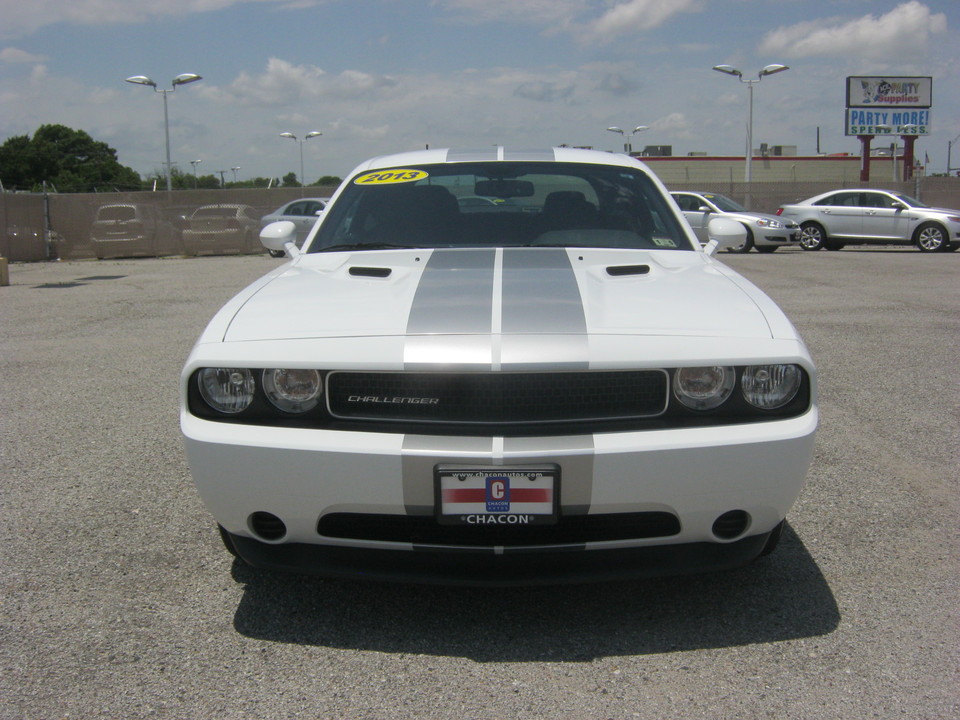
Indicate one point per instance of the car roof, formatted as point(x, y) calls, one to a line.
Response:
point(499, 154)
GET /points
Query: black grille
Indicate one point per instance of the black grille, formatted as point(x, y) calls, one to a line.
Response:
point(497, 398)
point(572, 529)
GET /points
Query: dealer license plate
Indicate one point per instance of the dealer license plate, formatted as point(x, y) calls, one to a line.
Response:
point(514, 496)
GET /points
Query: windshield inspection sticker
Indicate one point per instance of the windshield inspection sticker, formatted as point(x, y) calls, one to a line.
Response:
point(389, 177)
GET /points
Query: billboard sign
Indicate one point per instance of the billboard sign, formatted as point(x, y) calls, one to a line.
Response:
point(889, 92)
point(884, 121)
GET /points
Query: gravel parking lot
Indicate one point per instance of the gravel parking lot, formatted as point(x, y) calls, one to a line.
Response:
point(118, 600)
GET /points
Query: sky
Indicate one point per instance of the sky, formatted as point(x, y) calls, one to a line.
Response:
point(382, 76)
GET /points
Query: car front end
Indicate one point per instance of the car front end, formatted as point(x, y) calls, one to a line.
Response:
point(508, 414)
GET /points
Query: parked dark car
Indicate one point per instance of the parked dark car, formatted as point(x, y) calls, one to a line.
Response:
point(132, 230)
point(216, 229)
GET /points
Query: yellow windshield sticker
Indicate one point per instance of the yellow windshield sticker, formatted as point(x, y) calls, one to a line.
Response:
point(389, 177)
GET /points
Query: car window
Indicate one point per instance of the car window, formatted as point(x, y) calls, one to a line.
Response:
point(877, 200)
point(117, 212)
point(312, 207)
point(843, 199)
point(687, 203)
point(526, 204)
point(297, 208)
point(910, 201)
point(215, 212)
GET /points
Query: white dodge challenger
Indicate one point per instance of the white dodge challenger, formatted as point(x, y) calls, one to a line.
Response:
point(499, 367)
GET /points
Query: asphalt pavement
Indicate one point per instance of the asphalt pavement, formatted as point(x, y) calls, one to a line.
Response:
point(117, 599)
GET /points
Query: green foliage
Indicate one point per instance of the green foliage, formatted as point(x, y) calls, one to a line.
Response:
point(69, 160)
point(328, 180)
point(290, 180)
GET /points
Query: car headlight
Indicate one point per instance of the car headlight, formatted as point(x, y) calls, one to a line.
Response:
point(764, 222)
point(227, 390)
point(770, 386)
point(293, 391)
point(703, 388)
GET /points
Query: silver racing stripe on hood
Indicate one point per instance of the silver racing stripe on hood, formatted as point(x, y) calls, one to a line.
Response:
point(509, 308)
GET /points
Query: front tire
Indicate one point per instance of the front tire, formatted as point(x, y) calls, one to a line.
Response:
point(812, 236)
point(931, 237)
point(766, 249)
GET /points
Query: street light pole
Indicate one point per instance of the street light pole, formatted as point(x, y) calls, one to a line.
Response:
point(291, 136)
point(627, 145)
point(768, 70)
point(235, 173)
point(181, 79)
point(195, 163)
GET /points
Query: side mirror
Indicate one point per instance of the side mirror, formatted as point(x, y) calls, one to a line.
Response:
point(723, 232)
point(281, 237)
point(898, 205)
point(704, 209)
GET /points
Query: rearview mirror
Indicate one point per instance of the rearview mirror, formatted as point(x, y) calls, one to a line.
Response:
point(503, 188)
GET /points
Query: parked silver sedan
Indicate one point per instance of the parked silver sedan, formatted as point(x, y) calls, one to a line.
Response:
point(302, 213)
point(764, 232)
point(860, 216)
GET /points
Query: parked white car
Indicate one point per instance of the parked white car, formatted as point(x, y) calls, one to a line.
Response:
point(302, 212)
point(570, 388)
point(766, 233)
point(860, 216)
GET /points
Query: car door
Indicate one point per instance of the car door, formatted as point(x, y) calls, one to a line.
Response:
point(302, 214)
point(690, 206)
point(841, 214)
point(884, 218)
point(312, 208)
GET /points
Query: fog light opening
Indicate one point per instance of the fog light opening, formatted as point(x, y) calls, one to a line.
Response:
point(731, 524)
point(267, 526)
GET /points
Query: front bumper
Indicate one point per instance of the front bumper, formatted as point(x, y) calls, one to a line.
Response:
point(524, 568)
point(304, 475)
point(779, 237)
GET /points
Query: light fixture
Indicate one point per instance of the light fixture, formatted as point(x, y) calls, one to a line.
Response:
point(181, 79)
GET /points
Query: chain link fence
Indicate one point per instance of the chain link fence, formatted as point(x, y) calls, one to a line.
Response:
point(76, 226)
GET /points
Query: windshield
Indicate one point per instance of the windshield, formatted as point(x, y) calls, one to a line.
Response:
point(499, 204)
point(724, 203)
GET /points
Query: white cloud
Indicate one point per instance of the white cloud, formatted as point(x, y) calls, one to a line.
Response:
point(906, 30)
point(635, 16)
point(620, 17)
point(15, 55)
point(544, 12)
point(23, 18)
point(284, 84)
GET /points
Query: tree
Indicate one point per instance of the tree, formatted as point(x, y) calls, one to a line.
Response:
point(328, 181)
point(290, 180)
point(70, 160)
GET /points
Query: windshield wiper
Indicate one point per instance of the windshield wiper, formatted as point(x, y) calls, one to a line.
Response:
point(366, 246)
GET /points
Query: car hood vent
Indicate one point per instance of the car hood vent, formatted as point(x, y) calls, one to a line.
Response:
point(621, 270)
point(376, 272)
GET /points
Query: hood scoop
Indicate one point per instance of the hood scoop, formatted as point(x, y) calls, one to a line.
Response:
point(623, 270)
point(374, 272)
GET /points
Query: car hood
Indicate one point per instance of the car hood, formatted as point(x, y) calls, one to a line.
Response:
point(488, 292)
point(755, 216)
